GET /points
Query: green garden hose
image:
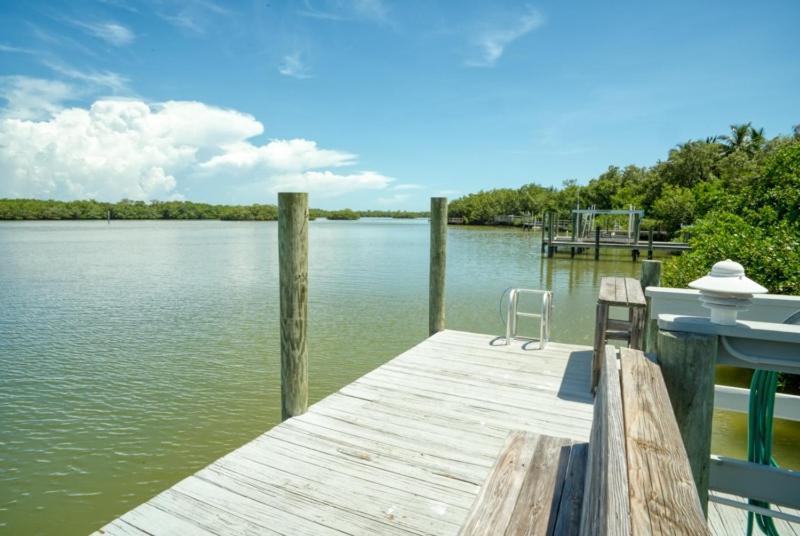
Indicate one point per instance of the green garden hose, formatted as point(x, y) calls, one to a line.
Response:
point(759, 439)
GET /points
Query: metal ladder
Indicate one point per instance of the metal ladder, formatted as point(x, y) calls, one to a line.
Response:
point(543, 316)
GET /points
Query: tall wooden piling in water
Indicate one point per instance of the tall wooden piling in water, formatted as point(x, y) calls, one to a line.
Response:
point(293, 268)
point(597, 243)
point(544, 230)
point(552, 231)
point(651, 277)
point(436, 318)
point(687, 363)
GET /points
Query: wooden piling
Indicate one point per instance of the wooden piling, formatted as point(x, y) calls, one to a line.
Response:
point(650, 244)
point(597, 243)
point(551, 231)
point(293, 275)
point(436, 309)
point(651, 277)
point(544, 231)
point(637, 222)
point(574, 234)
point(687, 362)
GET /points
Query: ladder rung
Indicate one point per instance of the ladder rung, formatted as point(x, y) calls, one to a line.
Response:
point(621, 325)
point(618, 335)
point(529, 315)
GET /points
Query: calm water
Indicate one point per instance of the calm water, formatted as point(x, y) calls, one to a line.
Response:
point(133, 354)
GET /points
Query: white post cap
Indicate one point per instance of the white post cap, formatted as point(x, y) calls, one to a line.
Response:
point(726, 290)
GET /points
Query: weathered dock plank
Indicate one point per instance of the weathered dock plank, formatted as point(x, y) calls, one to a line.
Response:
point(402, 450)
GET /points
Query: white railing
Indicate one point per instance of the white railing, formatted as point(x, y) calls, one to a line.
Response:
point(759, 339)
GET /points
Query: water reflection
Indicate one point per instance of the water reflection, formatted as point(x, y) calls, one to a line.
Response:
point(133, 354)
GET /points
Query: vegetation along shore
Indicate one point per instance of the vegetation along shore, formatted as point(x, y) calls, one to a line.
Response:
point(38, 209)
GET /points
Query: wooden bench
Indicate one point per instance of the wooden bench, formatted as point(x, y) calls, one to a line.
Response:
point(618, 292)
point(633, 477)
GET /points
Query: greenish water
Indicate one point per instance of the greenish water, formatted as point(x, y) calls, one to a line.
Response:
point(133, 354)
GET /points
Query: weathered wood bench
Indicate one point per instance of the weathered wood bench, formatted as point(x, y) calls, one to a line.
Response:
point(633, 477)
point(623, 292)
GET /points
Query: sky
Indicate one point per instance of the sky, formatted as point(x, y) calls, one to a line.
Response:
point(373, 103)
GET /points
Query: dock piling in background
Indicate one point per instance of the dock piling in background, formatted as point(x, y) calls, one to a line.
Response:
point(651, 277)
point(597, 243)
point(436, 306)
point(687, 362)
point(293, 270)
point(650, 245)
point(544, 231)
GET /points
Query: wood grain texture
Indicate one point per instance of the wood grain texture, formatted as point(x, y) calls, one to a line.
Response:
point(687, 365)
point(537, 504)
point(663, 498)
point(569, 509)
point(608, 290)
point(605, 496)
point(403, 450)
point(600, 327)
point(493, 507)
point(634, 293)
point(293, 274)
point(438, 262)
point(651, 277)
point(637, 328)
point(621, 292)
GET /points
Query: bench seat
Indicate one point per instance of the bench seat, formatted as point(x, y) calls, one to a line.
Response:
point(535, 487)
point(633, 477)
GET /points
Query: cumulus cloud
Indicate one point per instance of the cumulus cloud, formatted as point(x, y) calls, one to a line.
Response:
point(131, 149)
point(491, 41)
point(30, 98)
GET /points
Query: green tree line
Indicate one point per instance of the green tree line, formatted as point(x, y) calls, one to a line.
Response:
point(39, 209)
point(731, 196)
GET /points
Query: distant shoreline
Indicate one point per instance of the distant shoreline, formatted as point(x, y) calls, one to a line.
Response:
point(52, 210)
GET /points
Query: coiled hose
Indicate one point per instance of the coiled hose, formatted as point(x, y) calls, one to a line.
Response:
point(759, 439)
point(759, 433)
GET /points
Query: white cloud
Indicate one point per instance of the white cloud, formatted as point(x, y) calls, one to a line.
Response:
point(31, 98)
point(109, 80)
point(111, 32)
point(16, 50)
point(281, 155)
point(393, 200)
point(330, 184)
point(294, 66)
point(492, 41)
point(353, 10)
point(131, 149)
point(194, 16)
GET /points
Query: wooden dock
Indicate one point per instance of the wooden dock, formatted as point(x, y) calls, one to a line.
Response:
point(403, 450)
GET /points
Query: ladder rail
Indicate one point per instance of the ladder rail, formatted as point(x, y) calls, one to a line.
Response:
point(513, 314)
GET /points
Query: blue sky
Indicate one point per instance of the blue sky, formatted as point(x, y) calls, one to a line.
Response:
point(373, 103)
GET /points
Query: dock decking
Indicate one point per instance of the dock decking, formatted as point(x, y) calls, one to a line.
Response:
point(402, 450)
